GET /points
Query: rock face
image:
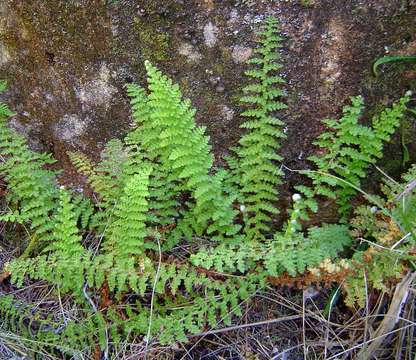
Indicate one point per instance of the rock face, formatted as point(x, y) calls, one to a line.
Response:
point(67, 61)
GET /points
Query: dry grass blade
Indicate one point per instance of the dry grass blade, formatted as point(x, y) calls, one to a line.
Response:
point(242, 326)
point(387, 325)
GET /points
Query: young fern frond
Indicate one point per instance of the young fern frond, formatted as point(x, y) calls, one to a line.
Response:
point(66, 241)
point(127, 232)
point(5, 112)
point(257, 171)
point(105, 178)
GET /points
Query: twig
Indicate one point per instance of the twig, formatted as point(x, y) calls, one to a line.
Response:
point(367, 311)
point(94, 308)
point(408, 189)
point(303, 325)
point(84, 290)
point(402, 239)
point(153, 296)
point(243, 326)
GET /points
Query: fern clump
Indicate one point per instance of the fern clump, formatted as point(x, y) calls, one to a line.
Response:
point(170, 138)
point(135, 214)
point(349, 148)
point(116, 255)
point(256, 167)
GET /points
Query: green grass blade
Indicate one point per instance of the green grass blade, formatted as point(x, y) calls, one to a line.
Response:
point(388, 59)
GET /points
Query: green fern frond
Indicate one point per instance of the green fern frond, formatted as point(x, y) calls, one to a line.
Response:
point(127, 232)
point(66, 241)
point(349, 148)
point(32, 187)
point(257, 160)
point(284, 253)
point(184, 153)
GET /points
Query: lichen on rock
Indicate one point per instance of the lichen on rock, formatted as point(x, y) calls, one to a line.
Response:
point(70, 128)
point(210, 34)
point(5, 56)
point(98, 91)
point(241, 54)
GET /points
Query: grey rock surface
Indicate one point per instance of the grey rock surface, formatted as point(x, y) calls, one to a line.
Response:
point(67, 62)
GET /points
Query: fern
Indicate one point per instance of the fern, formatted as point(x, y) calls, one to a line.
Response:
point(127, 233)
point(373, 268)
point(167, 132)
point(389, 234)
point(292, 254)
point(41, 333)
point(66, 240)
point(349, 149)
point(32, 193)
point(256, 172)
point(212, 300)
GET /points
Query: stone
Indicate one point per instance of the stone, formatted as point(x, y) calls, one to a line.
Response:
point(227, 113)
point(220, 89)
point(67, 64)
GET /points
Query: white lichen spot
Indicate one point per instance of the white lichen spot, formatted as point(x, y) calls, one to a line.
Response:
point(233, 18)
point(70, 128)
point(4, 55)
point(189, 51)
point(227, 113)
point(241, 54)
point(98, 91)
point(334, 48)
point(210, 34)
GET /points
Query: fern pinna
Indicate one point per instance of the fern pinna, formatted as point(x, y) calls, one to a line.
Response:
point(256, 168)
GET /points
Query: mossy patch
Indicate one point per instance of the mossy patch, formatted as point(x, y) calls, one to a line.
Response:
point(154, 45)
